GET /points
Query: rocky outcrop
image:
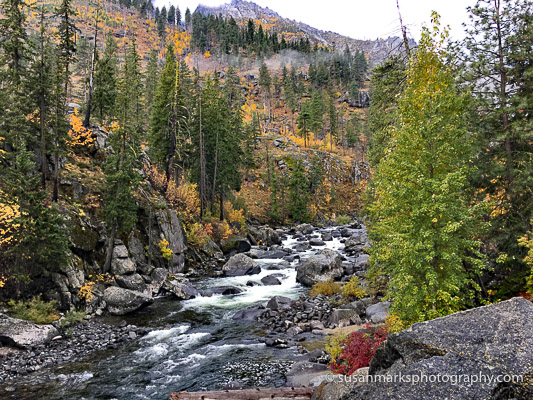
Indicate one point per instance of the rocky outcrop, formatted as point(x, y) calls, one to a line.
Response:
point(172, 231)
point(485, 344)
point(321, 267)
point(24, 334)
point(235, 245)
point(240, 265)
point(121, 301)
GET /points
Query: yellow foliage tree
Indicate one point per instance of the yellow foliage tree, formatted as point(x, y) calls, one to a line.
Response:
point(78, 135)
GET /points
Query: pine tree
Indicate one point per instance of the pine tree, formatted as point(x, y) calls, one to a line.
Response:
point(105, 81)
point(333, 121)
point(129, 98)
point(423, 225)
point(122, 181)
point(499, 68)
point(317, 113)
point(299, 193)
point(171, 17)
point(265, 81)
point(275, 211)
point(304, 122)
point(178, 16)
point(150, 82)
point(188, 19)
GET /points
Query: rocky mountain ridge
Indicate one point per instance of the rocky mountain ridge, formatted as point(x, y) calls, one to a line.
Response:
point(377, 50)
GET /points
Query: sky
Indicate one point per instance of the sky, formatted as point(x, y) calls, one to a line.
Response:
point(358, 19)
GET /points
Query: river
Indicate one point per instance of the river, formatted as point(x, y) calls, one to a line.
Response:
point(195, 346)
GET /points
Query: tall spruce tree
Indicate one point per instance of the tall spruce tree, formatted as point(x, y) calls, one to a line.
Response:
point(105, 81)
point(299, 193)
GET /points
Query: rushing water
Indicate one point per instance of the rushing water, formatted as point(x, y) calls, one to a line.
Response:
point(196, 346)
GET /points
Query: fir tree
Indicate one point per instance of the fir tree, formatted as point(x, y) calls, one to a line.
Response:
point(299, 193)
point(105, 81)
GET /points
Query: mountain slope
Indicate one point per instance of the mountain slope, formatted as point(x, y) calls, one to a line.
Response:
point(377, 50)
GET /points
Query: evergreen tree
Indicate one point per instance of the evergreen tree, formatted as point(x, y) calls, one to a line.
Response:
point(122, 181)
point(178, 16)
point(304, 122)
point(38, 241)
point(317, 113)
point(105, 81)
point(333, 121)
point(171, 17)
point(150, 81)
point(299, 193)
point(265, 81)
point(499, 68)
point(423, 225)
point(129, 97)
point(188, 19)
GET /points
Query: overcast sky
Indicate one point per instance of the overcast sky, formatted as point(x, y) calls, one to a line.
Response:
point(359, 19)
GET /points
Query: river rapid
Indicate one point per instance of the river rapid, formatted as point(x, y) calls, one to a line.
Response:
point(193, 345)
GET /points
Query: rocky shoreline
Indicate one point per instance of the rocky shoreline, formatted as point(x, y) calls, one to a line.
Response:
point(83, 340)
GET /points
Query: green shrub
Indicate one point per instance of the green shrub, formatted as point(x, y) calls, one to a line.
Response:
point(343, 220)
point(327, 288)
point(71, 318)
point(352, 289)
point(35, 310)
point(334, 344)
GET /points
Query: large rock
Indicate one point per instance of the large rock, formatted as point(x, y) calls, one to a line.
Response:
point(240, 265)
point(181, 288)
point(306, 229)
point(341, 317)
point(121, 301)
point(133, 282)
point(485, 344)
point(235, 245)
point(24, 334)
point(265, 235)
point(270, 280)
point(122, 266)
point(323, 266)
point(357, 242)
point(171, 229)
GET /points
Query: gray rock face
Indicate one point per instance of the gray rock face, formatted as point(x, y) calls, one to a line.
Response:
point(341, 317)
point(356, 243)
point(306, 229)
point(240, 265)
point(122, 266)
point(491, 341)
point(321, 267)
point(172, 231)
point(377, 308)
point(317, 242)
point(279, 303)
point(181, 288)
point(24, 334)
point(133, 282)
point(121, 301)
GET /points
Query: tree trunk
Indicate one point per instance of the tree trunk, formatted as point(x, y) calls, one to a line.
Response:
point(109, 250)
point(87, 121)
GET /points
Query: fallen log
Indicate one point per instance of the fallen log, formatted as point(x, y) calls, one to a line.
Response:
point(286, 393)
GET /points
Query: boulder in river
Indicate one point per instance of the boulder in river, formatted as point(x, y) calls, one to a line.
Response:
point(240, 265)
point(488, 344)
point(270, 280)
point(181, 288)
point(265, 235)
point(321, 267)
point(121, 301)
point(316, 242)
point(24, 334)
point(306, 229)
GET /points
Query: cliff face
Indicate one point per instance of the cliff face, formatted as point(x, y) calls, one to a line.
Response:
point(377, 50)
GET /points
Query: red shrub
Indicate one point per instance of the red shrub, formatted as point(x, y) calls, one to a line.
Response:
point(358, 350)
